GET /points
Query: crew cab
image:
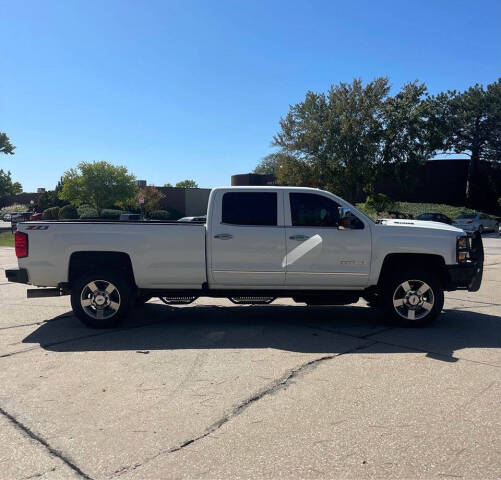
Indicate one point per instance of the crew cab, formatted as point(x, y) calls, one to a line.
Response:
point(258, 243)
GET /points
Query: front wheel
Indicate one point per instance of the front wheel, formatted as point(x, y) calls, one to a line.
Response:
point(413, 298)
point(101, 299)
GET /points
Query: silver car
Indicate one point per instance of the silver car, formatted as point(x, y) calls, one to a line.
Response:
point(199, 219)
point(476, 222)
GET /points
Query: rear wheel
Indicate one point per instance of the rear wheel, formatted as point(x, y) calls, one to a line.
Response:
point(413, 298)
point(101, 299)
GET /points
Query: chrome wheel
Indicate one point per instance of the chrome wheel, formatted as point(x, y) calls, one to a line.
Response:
point(100, 299)
point(413, 299)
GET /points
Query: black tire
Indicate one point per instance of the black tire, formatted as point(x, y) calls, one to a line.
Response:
point(406, 287)
point(142, 299)
point(116, 302)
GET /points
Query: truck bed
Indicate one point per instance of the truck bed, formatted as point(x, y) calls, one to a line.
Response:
point(163, 254)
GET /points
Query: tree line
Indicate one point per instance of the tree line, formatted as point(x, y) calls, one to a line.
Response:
point(348, 138)
point(343, 140)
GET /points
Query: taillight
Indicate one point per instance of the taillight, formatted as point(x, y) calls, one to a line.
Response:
point(462, 249)
point(21, 244)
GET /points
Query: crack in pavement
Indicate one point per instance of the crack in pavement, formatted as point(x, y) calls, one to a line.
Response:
point(279, 384)
point(37, 438)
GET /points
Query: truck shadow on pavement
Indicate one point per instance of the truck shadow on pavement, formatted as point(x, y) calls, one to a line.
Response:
point(292, 328)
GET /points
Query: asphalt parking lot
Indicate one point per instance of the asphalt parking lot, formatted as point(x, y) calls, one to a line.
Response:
point(215, 390)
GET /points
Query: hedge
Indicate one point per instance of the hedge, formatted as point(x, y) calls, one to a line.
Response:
point(68, 212)
point(51, 213)
point(160, 215)
point(111, 214)
point(86, 211)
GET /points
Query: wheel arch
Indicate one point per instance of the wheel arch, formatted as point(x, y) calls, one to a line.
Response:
point(87, 261)
point(403, 261)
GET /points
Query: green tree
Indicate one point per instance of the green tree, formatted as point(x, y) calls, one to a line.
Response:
point(5, 145)
point(270, 164)
point(187, 184)
point(7, 186)
point(99, 184)
point(343, 140)
point(287, 169)
point(50, 198)
point(152, 197)
point(469, 123)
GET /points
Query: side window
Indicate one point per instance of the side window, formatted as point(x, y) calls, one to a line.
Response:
point(311, 210)
point(250, 208)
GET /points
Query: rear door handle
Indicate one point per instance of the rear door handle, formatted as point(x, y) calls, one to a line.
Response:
point(299, 238)
point(223, 236)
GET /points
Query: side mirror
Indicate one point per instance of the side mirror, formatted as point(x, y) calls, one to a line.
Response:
point(344, 218)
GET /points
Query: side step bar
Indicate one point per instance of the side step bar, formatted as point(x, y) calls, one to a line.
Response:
point(251, 300)
point(178, 300)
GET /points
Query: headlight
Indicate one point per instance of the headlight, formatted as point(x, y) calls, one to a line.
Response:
point(462, 242)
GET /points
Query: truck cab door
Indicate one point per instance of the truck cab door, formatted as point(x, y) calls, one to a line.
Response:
point(246, 241)
point(321, 253)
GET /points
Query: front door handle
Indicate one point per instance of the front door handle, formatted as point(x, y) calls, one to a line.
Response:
point(223, 236)
point(299, 238)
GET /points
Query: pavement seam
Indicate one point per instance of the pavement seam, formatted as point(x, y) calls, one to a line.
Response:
point(339, 332)
point(282, 383)
point(383, 342)
point(101, 333)
point(37, 438)
point(41, 322)
point(473, 301)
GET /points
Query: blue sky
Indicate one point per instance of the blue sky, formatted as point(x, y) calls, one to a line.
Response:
point(195, 89)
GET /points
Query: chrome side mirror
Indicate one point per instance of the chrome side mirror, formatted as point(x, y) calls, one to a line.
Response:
point(344, 218)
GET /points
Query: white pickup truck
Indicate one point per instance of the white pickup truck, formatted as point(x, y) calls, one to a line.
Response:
point(258, 243)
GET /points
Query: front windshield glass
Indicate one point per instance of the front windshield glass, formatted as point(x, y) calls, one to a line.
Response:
point(467, 215)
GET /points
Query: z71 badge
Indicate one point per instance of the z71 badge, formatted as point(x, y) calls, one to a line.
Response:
point(37, 227)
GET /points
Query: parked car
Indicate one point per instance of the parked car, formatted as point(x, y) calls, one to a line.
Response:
point(258, 244)
point(435, 217)
point(18, 217)
point(199, 219)
point(476, 222)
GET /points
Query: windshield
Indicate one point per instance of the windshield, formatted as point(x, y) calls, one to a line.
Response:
point(466, 215)
point(426, 216)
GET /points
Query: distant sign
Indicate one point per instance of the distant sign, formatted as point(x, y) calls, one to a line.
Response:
point(141, 199)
